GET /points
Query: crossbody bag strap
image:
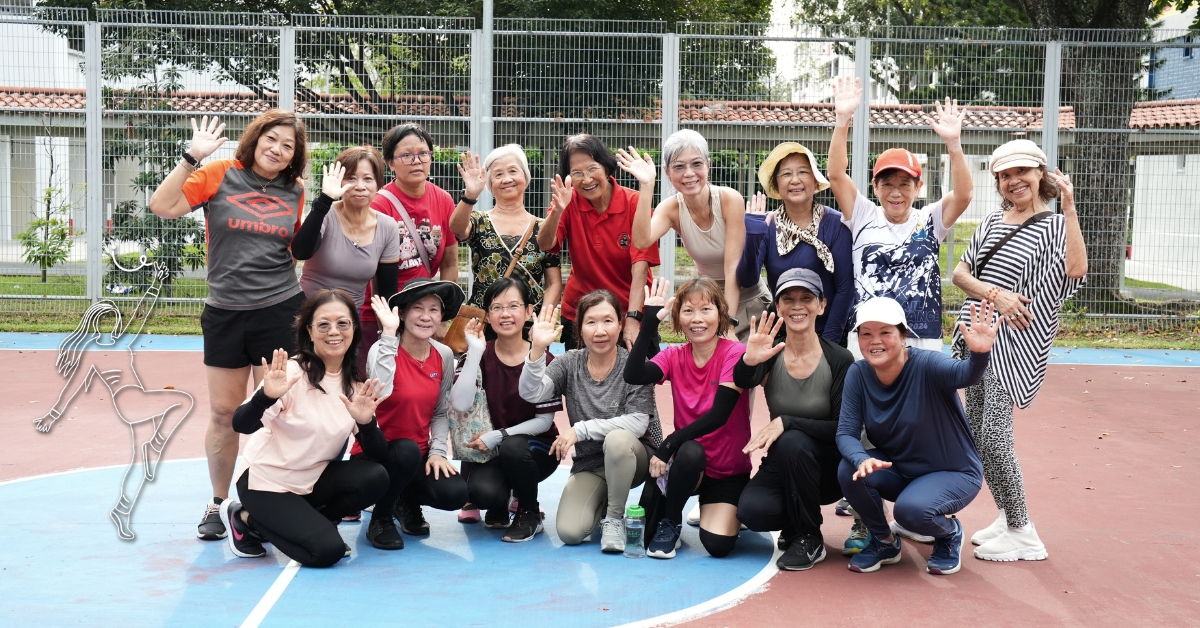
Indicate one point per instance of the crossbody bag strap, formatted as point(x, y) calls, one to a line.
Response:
point(516, 253)
point(413, 234)
point(1032, 220)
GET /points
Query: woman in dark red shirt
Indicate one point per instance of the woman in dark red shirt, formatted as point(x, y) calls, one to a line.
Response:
point(417, 372)
point(522, 431)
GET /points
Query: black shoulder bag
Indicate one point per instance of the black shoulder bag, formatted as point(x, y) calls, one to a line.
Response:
point(1033, 220)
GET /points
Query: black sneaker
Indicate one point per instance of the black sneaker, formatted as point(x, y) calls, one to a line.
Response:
point(346, 553)
point(382, 532)
point(242, 541)
point(211, 528)
point(412, 520)
point(526, 525)
point(666, 539)
point(496, 518)
point(786, 536)
point(804, 552)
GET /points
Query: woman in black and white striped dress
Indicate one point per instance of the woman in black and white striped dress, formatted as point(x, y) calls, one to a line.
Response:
point(1028, 275)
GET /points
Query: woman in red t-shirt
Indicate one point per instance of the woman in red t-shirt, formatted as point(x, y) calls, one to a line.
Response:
point(522, 431)
point(417, 372)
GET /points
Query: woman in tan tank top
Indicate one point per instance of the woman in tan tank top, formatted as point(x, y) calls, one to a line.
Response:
point(709, 220)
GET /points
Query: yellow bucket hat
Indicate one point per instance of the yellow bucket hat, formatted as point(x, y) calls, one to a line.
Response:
point(766, 171)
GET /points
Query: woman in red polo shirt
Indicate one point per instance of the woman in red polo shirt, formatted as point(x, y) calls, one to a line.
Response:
point(596, 215)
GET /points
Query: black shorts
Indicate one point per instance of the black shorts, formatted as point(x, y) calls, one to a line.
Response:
point(723, 491)
point(237, 338)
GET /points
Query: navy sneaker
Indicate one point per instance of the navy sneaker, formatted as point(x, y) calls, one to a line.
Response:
point(666, 539)
point(945, 558)
point(877, 552)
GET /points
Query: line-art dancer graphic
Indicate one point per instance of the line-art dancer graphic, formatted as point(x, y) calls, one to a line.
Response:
point(89, 353)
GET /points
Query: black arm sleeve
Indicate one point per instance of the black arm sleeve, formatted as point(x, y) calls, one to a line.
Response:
point(372, 440)
point(308, 237)
point(708, 422)
point(638, 370)
point(247, 419)
point(387, 279)
point(823, 431)
point(747, 377)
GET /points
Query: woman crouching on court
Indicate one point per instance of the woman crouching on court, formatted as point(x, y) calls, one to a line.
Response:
point(614, 427)
point(1028, 261)
point(712, 415)
point(924, 458)
point(296, 487)
point(417, 372)
point(522, 431)
point(802, 381)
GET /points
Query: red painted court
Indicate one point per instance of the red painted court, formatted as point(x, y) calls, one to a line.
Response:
point(1107, 452)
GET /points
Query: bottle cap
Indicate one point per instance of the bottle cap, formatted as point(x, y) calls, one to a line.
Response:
point(635, 511)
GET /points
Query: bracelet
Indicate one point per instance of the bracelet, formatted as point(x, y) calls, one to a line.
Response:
point(992, 294)
point(187, 164)
point(468, 201)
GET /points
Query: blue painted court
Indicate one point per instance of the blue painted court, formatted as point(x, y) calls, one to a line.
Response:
point(63, 565)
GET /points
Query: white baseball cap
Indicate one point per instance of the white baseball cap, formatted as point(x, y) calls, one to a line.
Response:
point(881, 310)
point(1017, 153)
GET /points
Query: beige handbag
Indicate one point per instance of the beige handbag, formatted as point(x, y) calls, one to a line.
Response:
point(456, 337)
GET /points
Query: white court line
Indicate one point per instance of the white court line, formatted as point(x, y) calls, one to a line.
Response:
point(264, 605)
point(720, 602)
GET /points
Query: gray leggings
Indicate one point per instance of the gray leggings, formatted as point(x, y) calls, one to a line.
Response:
point(590, 495)
point(990, 411)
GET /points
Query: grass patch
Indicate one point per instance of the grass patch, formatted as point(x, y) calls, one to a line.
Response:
point(76, 286)
point(1137, 283)
point(166, 324)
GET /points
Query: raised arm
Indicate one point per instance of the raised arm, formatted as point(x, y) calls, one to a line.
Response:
point(1077, 262)
point(168, 200)
point(474, 177)
point(954, 374)
point(560, 198)
point(462, 394)
point(648, 226)
point(847, 95)
point(638, 369)
point(381, 359)
point(948, 125)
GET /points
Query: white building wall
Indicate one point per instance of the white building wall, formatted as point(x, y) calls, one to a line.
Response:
point(1166, 221)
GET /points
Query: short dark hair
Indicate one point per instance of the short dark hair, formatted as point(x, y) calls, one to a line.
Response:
point(351, 157)
point(590, 145)
point(589, 301)
point(501, 285)
point(401, 131)
point(709, 291)
point(267, 121)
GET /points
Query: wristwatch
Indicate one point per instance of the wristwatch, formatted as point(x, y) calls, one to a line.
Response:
point(635, 315)
point(468, 201)
point(735, 321)
point(503, 433)
point(192, 161)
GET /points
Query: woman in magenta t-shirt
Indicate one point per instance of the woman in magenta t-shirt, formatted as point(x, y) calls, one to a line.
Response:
point(712, 416)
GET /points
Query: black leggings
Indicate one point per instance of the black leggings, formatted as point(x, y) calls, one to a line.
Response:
point(407, 480)
point(523, 462)
point(304, 527)
point(797, 477)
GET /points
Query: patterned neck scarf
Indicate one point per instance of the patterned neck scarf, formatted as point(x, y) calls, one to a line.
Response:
point(788, 234)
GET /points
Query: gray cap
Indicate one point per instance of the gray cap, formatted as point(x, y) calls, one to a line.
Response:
point(799, 278)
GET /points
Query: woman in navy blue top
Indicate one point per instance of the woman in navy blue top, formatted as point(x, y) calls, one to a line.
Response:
point(924, 457)
point(804, 234)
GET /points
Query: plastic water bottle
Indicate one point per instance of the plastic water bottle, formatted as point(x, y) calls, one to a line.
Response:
point(635, 530)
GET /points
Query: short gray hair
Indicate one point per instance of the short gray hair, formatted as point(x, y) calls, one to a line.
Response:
point(508, 150)
point(681, 140)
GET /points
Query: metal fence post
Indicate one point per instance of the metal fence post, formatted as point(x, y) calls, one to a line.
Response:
point(860, 138)
point(287, 67)
point(482, 84)
point(670, 124)
point(94, 148)
point(1050, 95)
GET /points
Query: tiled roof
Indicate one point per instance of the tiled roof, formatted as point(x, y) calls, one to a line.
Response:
point(890, 115)
point(1166, 114)
point(1146, 115)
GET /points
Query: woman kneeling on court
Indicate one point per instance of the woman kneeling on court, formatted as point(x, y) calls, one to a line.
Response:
point(297, 488)
point(924, 458)
point(802, 381)
point(522, 431)
point(712, 415)
point(614, 427)
point(417, 372)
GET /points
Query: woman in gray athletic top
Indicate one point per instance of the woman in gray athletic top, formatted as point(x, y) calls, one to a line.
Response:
point(802, 382)
point(614, 425)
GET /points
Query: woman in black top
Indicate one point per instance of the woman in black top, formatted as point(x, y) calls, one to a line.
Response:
point(802, 382)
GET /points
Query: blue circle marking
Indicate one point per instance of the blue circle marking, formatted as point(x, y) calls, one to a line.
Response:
point(63, 565)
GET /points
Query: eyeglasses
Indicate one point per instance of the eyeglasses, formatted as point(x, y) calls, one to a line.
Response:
point(592, 172)
point(698, 166)
point(324, 327)
point(413, 158)
point(512, 307)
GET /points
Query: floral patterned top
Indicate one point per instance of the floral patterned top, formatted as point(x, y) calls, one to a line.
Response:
point(490, 258)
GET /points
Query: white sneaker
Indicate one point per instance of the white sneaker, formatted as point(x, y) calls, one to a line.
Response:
point(1013, 545)
point(909, 534)
point(693, 518)
point(612, 535)
point(998, 527)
